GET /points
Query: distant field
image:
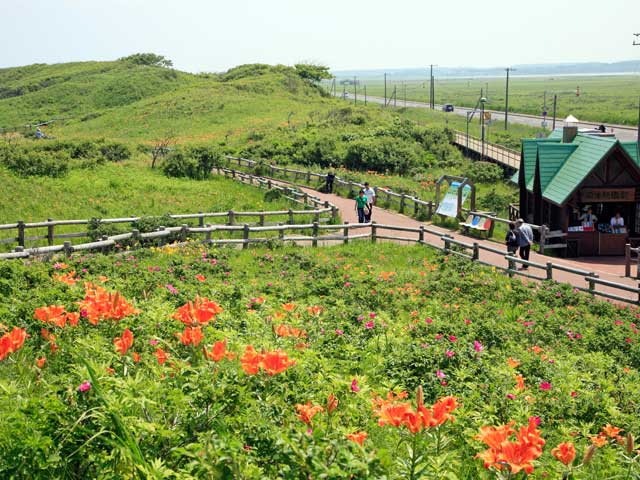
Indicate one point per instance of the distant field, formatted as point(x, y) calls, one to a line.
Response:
point(609, 99)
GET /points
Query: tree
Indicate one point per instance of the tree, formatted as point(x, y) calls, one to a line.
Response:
point(312, 73)
point(161, 147)
point(150, 59)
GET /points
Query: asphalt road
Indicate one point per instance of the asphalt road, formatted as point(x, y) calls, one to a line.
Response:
point(622, 132)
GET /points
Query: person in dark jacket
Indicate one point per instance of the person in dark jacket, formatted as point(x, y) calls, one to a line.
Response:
point(512, 240)
point(329, 182)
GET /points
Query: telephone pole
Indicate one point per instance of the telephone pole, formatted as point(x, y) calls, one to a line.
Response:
point(385, 89)
point(506, 101)
point(355, 90)
point(432, 88)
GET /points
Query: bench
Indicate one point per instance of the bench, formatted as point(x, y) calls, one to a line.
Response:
point(477, 223)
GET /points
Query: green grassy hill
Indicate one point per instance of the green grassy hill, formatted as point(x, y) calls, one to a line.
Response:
point(125, 101)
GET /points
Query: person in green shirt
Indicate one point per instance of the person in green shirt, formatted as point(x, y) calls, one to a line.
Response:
point(362, 202)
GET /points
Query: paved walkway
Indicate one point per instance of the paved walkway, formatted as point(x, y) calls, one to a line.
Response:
point(608, 268)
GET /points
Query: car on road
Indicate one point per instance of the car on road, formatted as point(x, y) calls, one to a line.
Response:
point(345, 95)
point(447, 107)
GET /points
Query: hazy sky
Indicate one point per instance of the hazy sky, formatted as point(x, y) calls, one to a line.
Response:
point(213, 35)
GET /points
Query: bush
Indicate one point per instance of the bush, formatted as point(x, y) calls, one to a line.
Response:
point(485, 172)
point(25, 163)
point(381, 155)
point(194, 162)
point(115, 152)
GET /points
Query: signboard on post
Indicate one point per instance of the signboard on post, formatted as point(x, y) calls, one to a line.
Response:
point(449, 205)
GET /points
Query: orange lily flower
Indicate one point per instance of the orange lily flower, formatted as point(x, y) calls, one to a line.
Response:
point(41, 361)
point(12, 341)
point(611, 431)
point(307, 411)
point(67, 278)
point(276, 361)
point(358, 437)
point(250, 361)
point(332, 403)
point(218, 351)
point(289, 307)
point(192, 336)
point(315, 310)
point(565, 452)
point(520, 382)
point(124, 343)
point(513, 363)
point(99, 304)
point(161, 356)
point(199, 312)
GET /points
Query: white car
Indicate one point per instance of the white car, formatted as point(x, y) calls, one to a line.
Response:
point(345, 94)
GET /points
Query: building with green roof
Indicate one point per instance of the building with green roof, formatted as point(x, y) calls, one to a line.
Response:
point(564, 174)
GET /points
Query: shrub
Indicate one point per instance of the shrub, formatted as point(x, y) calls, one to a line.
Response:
point(96, 229)
point(194, 162)
point(115, 152)
point(381, 155)
point(484, 172)
point(27, 163)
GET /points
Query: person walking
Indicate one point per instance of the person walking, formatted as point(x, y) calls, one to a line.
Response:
point(525, 240)
point(370, 193)
point(329, 182)
point(362, 203)
point(512, 240)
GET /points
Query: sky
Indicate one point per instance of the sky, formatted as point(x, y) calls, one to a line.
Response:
point(214, 35)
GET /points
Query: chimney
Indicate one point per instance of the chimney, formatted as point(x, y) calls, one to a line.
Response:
point(570, 129)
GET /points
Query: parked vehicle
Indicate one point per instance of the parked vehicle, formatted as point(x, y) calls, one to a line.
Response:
point(447, 107)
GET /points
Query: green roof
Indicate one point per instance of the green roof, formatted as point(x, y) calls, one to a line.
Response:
point(632, 149)
point(554, 156)
point(587, 154)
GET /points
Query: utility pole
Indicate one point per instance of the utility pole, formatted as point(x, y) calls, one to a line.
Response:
point(365, 94)
point(404, 87)
point(638, 139)
point(482, 102)
point(355, 90)
point(385, 89)
point(344, 91)
point(432, 88)
point(395, 95)
point(506, 101)
point(555, 103)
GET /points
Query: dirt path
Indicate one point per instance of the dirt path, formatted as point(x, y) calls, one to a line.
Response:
point(608, 268)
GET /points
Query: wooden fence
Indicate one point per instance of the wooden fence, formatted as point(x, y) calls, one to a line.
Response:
point(631, 255)
point(327, 234)
point(322, 212)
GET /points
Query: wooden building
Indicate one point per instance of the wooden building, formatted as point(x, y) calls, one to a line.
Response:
point(570, 178)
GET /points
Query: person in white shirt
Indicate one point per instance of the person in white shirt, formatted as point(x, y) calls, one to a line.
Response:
point(588, 219)
point(617, 220)
point(370, 193)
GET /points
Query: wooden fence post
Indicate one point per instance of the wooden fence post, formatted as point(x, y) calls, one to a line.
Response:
point(627, 260)
point(345, 233)
point(512, 267)
point(201, 219)
point(543, 238)
point(162, 240)
point(233, 173)
point(135, 236)
point(415, 208)
point(183, 232)
point(549, 271)
point(67, 248)
point(104, 248)
point(476, 252)
point(21, 233)
point(402, 201)
point(305, 198)
point(314, 242)
point(388, 202)
point(421, 235)
point(261, 221)
point(316, 217)
point(430, 210)
point(592, 284)
point(445, 238)
point(207, 237)
point(308, 176)
point(334, 212)
point(50, 232)
point(245, 236)
point(291, 217)
point(232, 217)
point(374, 232)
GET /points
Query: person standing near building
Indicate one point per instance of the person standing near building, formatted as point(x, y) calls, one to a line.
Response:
point(588, 219)
point(370, 193)
point(362, 203)
point(511, 239)
point(525, 240)
point(617, 220)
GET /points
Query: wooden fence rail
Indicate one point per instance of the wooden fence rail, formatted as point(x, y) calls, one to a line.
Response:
point(322, 212)
point(341, 233)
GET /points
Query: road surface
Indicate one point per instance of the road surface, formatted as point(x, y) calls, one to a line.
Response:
point(623, 133)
